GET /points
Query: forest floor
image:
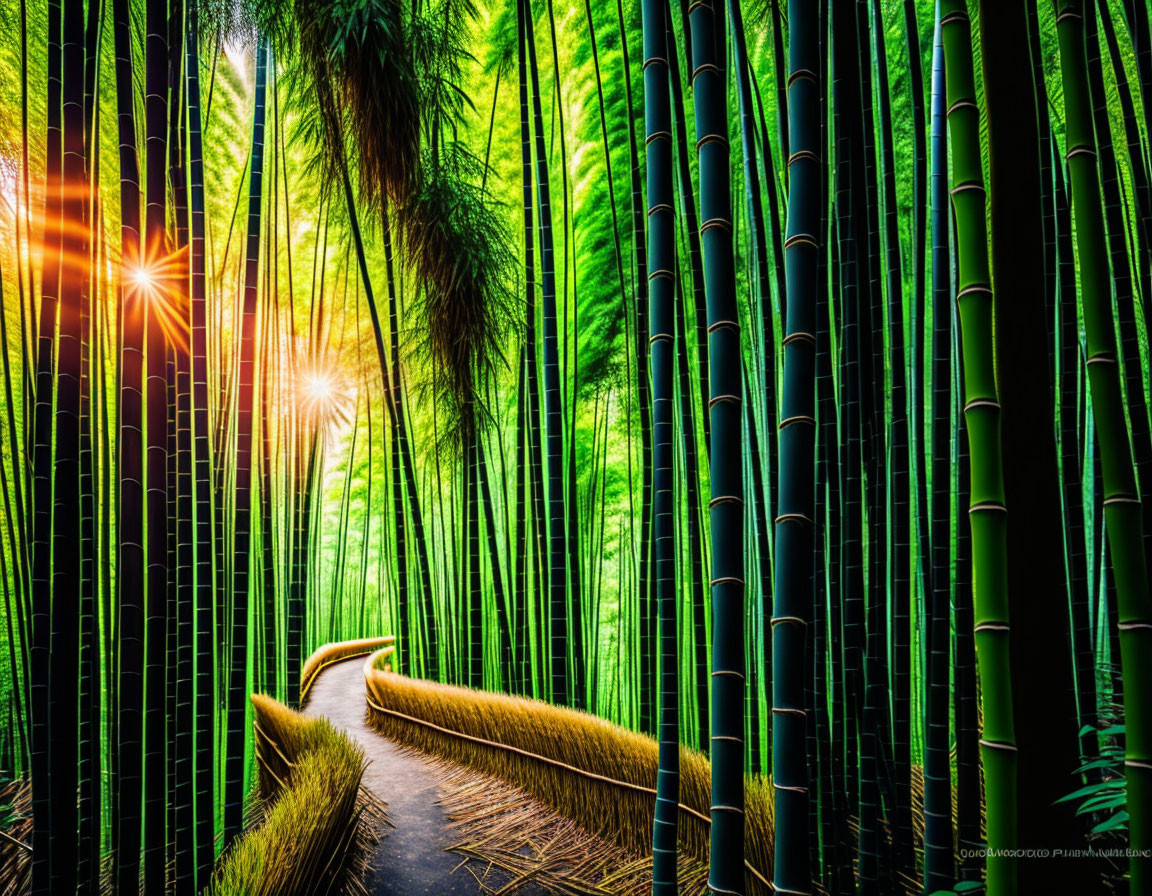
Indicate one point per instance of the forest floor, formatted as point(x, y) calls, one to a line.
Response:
point(413, 858)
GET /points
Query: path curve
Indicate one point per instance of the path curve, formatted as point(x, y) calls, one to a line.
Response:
point(411, 859)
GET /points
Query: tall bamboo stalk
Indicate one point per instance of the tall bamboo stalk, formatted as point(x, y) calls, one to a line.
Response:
point(661, 276)
point(726, 868)
point(1122, 504)
point(1042, 655)
point(127, 765)
point(987, 512)
point(242, 545)
point(40, 490)
point(792, 610)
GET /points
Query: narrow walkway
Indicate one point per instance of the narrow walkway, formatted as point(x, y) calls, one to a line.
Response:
point(411, 860)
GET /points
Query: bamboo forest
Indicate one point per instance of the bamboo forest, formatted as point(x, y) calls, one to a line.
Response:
point(576, 447)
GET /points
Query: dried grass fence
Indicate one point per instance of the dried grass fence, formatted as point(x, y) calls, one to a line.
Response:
point(598, 774)
point(336, 652)
point(317, 827)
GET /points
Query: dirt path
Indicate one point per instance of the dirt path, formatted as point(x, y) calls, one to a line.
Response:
point(412, 859)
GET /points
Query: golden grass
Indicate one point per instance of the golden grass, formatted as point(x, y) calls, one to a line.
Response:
point(511, 840)
point(318, 826)
point(598, 774)
point(332, 653)
point(15, 839)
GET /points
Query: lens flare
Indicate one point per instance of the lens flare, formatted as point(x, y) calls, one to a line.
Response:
point(141, 279)
point(157, 284)
point(324, 394)
point(319, 388)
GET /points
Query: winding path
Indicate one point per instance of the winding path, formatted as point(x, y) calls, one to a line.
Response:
point(412, 859)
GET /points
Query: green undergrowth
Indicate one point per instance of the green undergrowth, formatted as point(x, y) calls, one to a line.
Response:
point(315, 831)
point(592, 754)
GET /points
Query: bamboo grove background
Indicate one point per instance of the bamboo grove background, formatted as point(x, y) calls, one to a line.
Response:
point(329, 320)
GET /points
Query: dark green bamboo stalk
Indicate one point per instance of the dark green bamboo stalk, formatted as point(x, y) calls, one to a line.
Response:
point(1122, 507)
point(874, 866)
point(65, 586)
point(917, 308)
point(987, 512)
point(1042, 656)
point(1069, 381)
point(40, 489)
point(898, 473)
point(726, 870)
point(825, 616)
point(762, 287)
point(690, 225)
point(17, 525)
point(433, 655)
point(158, 292)
point(661, 277)
point(365, 535)
point(1141, 206)
point(562, 691)
point(966, 737)
point(694, 534)
point(647, 667)
point(473, 609)
point(939, 867)
point(851, 222)
point(269, 635)
point(89, 740)
point(1133, 375)
point(1136, 16)
point(170, 649)
point(759, 679)
point(495, 570)
point(521, 601)
point(763, 445)
point(792, 609)
point(528, 467)
point(246, 384)
point(304, 475)
point(182, 547)
point(204, 537)
point(127, 768)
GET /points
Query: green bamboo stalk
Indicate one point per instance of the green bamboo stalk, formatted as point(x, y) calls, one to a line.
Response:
point(1122, 506)
point(987, 512)
point(205, 537)
point(41, 485)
